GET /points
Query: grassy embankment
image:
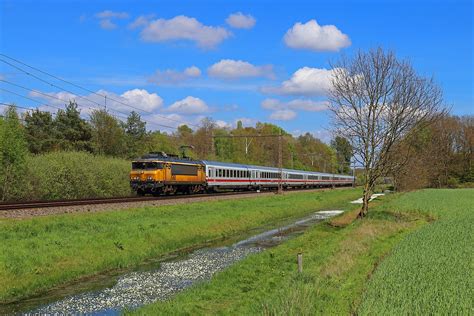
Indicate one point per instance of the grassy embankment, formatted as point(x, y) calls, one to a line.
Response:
point(426, 270)
point(39, 253)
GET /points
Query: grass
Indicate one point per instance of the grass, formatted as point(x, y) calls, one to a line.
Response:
point(425, 266)
point(40, 253)
point(430, 271)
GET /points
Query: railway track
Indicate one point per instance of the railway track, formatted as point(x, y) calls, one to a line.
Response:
point(75, 202)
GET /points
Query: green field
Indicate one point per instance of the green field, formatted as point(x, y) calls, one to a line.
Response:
point(422, 241)
point(431, 271)
point(40, 253)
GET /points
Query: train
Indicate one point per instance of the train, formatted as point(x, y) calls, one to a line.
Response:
point(164, 174)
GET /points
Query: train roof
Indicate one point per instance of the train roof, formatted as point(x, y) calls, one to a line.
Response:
point(236, 165)
point(169, 159)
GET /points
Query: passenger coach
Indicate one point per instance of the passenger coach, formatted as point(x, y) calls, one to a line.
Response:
point(221, 175)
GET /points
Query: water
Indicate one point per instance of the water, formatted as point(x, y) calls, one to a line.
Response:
point(112, 294)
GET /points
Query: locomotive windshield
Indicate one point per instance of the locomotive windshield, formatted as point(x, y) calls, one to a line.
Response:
point(140, 165)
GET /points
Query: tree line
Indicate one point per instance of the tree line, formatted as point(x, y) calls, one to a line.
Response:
point(105, 134)
point(37, 133)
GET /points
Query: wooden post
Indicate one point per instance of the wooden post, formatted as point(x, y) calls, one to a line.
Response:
point(300, 262)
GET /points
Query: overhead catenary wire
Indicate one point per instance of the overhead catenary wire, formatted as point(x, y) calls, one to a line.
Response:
point(48, 83)
point(49, 105)
point(16, 106)
point(81, 87)
point(55, 97)
point(31, 99)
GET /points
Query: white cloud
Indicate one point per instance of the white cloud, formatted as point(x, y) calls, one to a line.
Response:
point(222, 124)
point(234, 69)
point(239, 20)
point(184, 28)
point(107, 24)
point(143, 99)
point(141, 21)
point(283, 115)
point(305, 81)
point(138, 98)
point(308, 105)
point(192, 71)
point(315, 37)
point(286, 110)
point(160, 121)
point(105, 18)
point(170, 76)
point(189, 105)
point(108, 14)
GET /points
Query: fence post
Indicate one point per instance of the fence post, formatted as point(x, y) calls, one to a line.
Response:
point(300, 262)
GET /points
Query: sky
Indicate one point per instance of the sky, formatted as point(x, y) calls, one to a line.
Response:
point(180, 61)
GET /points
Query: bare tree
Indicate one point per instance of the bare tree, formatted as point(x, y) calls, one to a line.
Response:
point(375, 100)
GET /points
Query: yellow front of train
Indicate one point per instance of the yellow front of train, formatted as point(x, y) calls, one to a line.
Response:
point(147, 176)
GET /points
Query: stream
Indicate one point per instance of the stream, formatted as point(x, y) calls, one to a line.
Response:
point(112, 294)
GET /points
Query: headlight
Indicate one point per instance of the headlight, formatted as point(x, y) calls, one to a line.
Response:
point(149, 178)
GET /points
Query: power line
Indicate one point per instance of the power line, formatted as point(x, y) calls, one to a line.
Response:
point(49, 105)
point(54, 97)
point(47, 82)
point(246, 136)
point(28, 98)
point(16, 106)
point(51, 75)
point(81, 87)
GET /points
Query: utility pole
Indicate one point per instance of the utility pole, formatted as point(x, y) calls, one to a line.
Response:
point(280, 163)
point(247, 145)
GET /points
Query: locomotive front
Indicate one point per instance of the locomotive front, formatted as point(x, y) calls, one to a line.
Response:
point(159, 174)
point(147, 176)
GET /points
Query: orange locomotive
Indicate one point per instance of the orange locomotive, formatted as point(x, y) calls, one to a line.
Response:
point(158, 173)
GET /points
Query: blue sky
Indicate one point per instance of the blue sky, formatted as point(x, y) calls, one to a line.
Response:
point(187, 60)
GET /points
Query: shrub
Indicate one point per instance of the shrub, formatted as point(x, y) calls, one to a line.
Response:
point(70, 175)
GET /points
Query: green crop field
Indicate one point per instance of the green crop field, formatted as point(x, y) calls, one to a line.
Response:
point(39, 253)
point(414, 248)
point(431, 271)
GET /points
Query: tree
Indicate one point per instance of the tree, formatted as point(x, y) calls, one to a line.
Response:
point(108, 136)
point(375, 100)
point(343, 154)
point(203, 139)
point(40, 132)
point(73, 131)
point(135, 129)
point(13, 152)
